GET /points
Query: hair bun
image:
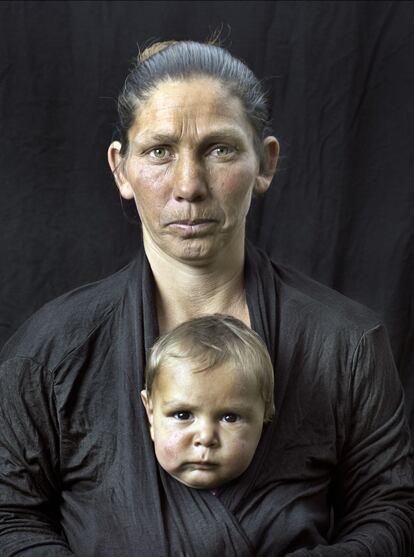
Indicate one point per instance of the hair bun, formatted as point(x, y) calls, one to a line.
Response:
point(153, 49)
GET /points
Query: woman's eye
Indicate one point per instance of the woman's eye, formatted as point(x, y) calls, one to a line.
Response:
point(222, 151)
point(182, 415)
point(159, 153)
point(231, 418)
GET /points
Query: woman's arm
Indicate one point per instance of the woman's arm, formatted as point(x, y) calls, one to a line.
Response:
point(29, 463)
point(373, 495)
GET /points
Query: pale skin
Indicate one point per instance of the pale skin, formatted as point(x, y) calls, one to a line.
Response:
point(192, 169)
point(205, 425)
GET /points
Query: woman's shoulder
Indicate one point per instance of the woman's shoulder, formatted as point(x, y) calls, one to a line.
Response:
point(307, 300)
point(320, 304)
point(62, 324)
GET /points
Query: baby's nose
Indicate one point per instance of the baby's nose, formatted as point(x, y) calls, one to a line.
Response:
point(206, 434)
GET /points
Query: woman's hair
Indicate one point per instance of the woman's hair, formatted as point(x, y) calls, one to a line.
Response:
point(210, 341)
point(181, 60)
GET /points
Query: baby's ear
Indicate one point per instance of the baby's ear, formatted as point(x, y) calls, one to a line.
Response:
point(147, 402)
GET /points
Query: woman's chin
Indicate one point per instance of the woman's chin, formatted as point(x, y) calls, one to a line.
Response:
point(194, 251)
point(201, 251)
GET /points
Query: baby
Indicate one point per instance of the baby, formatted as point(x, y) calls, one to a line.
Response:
point(209, 390)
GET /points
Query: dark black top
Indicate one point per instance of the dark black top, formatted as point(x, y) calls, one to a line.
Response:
point(333, 473)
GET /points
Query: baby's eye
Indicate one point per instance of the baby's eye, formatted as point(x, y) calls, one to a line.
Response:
point(230, 418)
point(182, 415)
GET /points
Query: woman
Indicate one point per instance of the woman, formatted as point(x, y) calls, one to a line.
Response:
point(333, 472)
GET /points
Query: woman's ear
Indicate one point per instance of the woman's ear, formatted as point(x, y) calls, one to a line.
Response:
point(270, 158)
point(116, 162)
point(147, 402)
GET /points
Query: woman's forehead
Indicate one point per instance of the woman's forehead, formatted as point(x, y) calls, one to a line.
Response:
point(197, 104)
point(195, 87)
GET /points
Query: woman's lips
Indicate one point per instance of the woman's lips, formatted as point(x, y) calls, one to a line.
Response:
point(192, 227)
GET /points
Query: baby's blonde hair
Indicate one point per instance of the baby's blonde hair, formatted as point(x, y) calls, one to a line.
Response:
point(210, 341)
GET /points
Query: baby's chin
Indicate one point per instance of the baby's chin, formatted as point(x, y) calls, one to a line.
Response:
point(202, 479)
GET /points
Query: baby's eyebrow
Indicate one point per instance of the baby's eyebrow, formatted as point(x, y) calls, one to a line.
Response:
point(231, 408)
point(176, 402)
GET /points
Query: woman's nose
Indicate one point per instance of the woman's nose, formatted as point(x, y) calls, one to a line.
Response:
point(206, 434)
point(189, 180)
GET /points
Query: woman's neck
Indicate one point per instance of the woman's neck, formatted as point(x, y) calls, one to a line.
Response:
point(185, 291)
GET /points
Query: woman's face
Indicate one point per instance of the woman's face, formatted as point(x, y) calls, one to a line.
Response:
point(192, 169)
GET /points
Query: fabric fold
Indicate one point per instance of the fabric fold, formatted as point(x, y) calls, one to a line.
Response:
point(75, 370)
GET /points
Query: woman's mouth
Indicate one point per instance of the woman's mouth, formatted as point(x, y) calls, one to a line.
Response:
point(193, 226)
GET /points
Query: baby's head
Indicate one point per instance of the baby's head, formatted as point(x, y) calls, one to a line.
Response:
point(209, 390)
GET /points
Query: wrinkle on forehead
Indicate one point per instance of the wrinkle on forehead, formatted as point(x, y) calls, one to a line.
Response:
point(192, 108)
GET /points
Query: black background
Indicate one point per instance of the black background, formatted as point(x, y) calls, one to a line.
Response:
point(340, 77)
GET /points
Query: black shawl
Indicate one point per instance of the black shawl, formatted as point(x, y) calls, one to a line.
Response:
point(333, 473)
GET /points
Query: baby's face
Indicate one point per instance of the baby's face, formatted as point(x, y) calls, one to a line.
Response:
point(205, 426)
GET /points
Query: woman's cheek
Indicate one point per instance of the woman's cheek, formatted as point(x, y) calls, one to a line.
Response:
point(235, 190)
point(235, 179)
point(148, 178)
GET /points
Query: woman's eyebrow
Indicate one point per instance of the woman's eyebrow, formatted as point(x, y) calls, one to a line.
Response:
point(155, 138)
point(227, 134)
point(222, 134)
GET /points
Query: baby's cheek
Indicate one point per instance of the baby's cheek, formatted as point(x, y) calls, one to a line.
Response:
point(240, 451)
point(170, 447)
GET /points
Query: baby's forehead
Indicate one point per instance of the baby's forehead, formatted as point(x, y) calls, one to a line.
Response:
point(228, 374)
point(217, 389)
point(194, 368)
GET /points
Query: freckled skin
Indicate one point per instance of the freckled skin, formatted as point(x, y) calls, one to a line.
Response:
point(205, 426)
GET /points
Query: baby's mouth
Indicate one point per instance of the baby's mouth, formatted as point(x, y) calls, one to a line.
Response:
point(204, 464)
